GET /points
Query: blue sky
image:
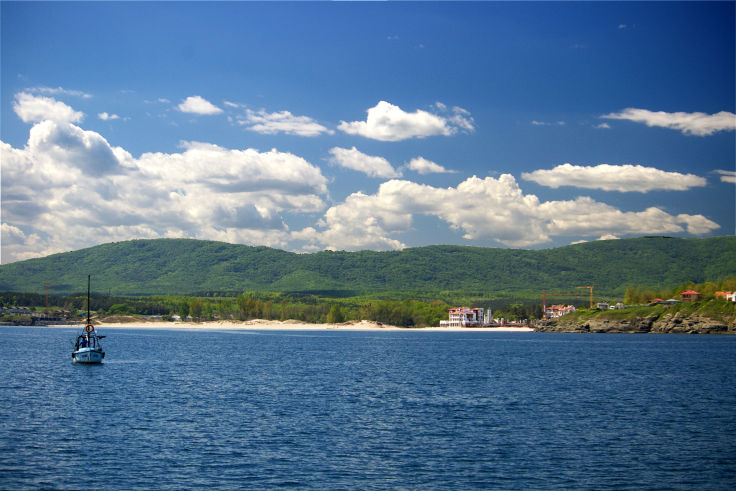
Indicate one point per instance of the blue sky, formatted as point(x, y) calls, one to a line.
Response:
point(348, 126)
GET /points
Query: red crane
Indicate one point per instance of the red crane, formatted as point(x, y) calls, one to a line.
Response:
point(591, 293)
point(545, 295)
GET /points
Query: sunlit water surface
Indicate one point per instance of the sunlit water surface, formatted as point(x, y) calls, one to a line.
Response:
point(367, 410)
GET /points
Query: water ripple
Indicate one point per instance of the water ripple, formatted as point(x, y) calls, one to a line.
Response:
point(346, 410)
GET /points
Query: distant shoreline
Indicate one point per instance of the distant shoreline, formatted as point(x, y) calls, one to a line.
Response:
point(291, 325)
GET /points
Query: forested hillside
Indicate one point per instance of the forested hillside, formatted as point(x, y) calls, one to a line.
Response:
point(182, 266)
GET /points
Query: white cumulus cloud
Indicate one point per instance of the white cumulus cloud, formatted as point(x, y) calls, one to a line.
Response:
point(424, 166)
point(232, 170)
point(387, 122)
point(370, 165)
point(623, 178)
point(67, 147)
point(32, 109)
point(282, 122)
point(697, 123)
point(198, 105)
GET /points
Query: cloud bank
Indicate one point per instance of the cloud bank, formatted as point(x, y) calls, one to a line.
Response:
point(95, 192)
point(487, 209)
point(606, 177)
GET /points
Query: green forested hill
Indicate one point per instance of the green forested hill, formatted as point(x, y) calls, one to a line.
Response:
point(182, 266)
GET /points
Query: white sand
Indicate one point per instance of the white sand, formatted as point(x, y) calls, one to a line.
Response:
point(260, 324)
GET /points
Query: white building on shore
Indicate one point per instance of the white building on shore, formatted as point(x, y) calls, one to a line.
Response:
point(464, 317)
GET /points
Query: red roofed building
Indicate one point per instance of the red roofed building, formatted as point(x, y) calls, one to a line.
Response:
point(728, 296)
point(555, 311)
point(689, 296)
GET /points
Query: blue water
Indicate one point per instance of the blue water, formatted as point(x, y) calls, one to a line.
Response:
point(367, 410)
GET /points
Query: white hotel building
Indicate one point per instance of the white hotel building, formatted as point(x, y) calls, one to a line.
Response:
point(466, 317)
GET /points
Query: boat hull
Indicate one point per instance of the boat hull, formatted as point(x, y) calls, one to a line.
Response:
point(87, 356)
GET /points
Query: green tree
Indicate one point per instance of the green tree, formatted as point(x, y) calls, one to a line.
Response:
point(120, 309)
point(195, 309)
point(648, 295)
point(631, 297)
point(258, 309)
point(183, 309)
point(708, 290)
point(367, 312)
point(226, 308)
point(335, 315)
point(208, 310)
point(245, 306)
point(729, 284)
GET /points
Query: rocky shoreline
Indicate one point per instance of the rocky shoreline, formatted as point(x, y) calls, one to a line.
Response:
point(667, 323)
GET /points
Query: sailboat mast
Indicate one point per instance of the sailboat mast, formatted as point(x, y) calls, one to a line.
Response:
point(88, 283)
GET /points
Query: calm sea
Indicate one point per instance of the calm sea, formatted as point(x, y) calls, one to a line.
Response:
point(367, 410)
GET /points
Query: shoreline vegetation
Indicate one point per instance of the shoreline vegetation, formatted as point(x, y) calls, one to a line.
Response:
point(132, 322)
point(638, 302)
point(699, 317)
point(710, 314)
point(702, 317)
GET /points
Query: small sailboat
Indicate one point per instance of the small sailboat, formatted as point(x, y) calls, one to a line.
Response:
point(87, 347)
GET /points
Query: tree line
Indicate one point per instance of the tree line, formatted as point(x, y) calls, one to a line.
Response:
point(245, 306)
point(638, 295)
point(406, 312)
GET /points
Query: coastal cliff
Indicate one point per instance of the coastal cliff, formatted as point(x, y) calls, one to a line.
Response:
point(687, 320)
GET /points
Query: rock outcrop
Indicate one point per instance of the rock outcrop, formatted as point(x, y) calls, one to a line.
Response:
point(693, 324)
point(664, 324)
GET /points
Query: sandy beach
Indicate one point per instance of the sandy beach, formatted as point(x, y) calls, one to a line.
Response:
point(260, 324)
